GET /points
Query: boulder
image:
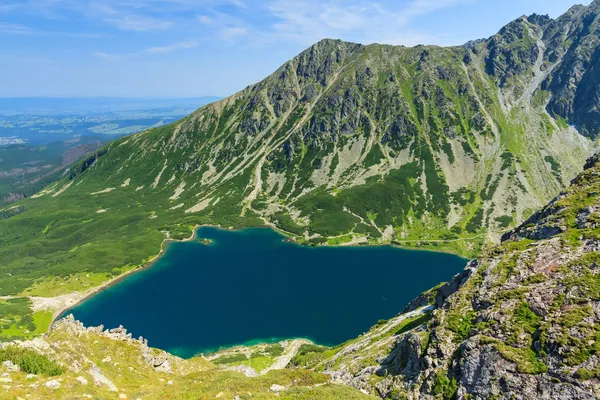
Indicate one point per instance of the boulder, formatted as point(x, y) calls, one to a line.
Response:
point(12, 367)
point(81, 380)
point(277, 388)
point(52, 384)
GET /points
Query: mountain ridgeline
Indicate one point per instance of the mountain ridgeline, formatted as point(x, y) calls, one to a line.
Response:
point(432, 147)
point(384, 142)
point(426, 147)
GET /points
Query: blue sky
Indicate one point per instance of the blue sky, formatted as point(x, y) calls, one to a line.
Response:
point(189, 48)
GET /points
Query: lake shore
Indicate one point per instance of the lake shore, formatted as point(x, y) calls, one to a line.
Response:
point(232, 285)
point(61, 304)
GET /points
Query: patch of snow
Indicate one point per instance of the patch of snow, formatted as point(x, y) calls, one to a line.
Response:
point(126, 183)
point(177, 206)
point(178, 191)
point(62, 189)
point(107, 190)
point(139, 188)
point(157, 179)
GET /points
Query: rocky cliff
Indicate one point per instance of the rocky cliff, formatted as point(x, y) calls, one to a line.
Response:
point(522, 321)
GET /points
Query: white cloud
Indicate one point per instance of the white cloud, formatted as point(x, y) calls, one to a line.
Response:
point(258, 22)
point(419, 7)
point(21, 59)
point(231, 33)
point(105, 56)
point(138, 23)
point(152, 50)
point(364, 21)
point(17, 29)
point(172, 47)
point(5, 8)
point(204, 19)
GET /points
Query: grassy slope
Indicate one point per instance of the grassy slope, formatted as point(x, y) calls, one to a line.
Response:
point(252, 158)
point(121, 362)
point(25, 169)
point(530, 304)
point(555, 275)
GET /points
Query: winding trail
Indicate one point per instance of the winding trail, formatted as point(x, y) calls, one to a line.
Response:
point(364, 342)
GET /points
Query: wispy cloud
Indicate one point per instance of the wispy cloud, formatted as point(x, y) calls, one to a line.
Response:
point(361, 20)
point(172, 47)
point(419, 7)
point(151, 50)
point(229, 27)
point(138, 23)
point(300, 22)
point(17, 29)
point(5, 8)
point(105, 56)
point(25, 59)
point(231, 33)
point(7, 28)
point(204, 19)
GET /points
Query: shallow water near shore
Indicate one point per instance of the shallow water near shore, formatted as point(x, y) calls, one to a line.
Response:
point(250, 285)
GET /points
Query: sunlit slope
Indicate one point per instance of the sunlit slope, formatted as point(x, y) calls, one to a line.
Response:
point(423, 147)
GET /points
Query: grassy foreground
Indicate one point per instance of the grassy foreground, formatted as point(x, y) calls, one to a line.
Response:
point(75, 362)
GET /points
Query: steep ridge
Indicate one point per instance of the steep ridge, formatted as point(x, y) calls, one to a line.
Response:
point(522, 321)
point(427, 146)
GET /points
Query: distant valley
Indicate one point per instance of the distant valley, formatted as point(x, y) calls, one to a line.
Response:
point(40, 137)
point(42, 120)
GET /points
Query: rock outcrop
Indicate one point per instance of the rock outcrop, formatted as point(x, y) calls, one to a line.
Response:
point(522, 321)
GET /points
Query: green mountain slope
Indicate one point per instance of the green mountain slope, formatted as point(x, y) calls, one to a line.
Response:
point(522, 321)
point(423, 147)
point(25, 170)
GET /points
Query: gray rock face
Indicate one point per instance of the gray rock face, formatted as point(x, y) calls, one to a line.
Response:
point(405, 359)
point(455, 283)
point(101, 379)
point(511, 52)
point(159, 362)
point(521, 322)
point(575, 84)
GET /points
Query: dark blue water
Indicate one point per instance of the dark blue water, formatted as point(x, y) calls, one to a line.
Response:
point(250, 285)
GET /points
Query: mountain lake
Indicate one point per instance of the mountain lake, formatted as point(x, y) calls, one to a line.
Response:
point(252, 285)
